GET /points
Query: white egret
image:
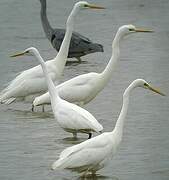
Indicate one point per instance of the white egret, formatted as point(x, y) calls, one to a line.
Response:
point(31, 81)
point(70, 117)
point(82, 89)
point(91, 155)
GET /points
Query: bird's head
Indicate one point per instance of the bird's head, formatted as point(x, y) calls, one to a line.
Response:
point(86, 5)
point(144, 84)
point(29, 52)
point(128, 29)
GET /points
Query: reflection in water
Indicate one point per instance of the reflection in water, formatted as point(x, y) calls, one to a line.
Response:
point(96, 177)
point(75, 63)
point(30, 37)
point(28, 114)
point(165, 171)
point(90, 177)
point(71, 140)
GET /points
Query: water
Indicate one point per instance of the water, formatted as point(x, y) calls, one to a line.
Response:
point(31, 142)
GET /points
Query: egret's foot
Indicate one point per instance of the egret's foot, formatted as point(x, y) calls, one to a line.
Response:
point(79, 59)
point(90, 135)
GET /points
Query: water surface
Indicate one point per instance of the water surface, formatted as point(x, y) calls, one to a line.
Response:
point(31, 142)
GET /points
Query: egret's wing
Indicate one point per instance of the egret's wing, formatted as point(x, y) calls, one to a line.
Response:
point(24, 76)
point(85, 153)
point(71, 116)
point(74, 90)
point(95, 142)
point(27, 82)
point(86, 119)
point(17, 84)
point(78, 88)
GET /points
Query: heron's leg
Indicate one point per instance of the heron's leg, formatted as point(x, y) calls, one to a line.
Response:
point(90, 135)
point(43, 108)
point(79, 59)
point(75, 135)
point(32, 108)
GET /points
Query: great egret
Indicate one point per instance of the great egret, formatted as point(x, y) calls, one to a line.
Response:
point(32, 81)
point(82, 89)
point(70, 117)
point(79, 45)
point(91, 155)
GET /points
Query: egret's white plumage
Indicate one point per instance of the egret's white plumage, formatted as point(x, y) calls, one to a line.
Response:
point(32, 81)
point(70, 117)
point(91, 155)
point(82, 89)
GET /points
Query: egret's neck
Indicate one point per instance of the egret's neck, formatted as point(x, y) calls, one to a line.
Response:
point(120, 122)
point(45, 23)
point(62, 55)
point(107, 73)
point(51, 87)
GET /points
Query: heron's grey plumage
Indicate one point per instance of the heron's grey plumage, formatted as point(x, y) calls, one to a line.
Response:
point(79, 45)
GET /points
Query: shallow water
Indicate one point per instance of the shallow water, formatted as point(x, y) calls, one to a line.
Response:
point(30, 142)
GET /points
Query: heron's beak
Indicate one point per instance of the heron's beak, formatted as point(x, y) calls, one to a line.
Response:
point(18, 54)
point(93, 6)
point(143, 30)
point(155, 90)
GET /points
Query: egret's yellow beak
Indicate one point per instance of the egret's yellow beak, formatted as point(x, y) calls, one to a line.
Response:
point(93, 6)
point(18, 54)
point(143, 30)
point(155, 90)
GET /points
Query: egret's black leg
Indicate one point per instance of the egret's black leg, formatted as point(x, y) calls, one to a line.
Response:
point(43, 108)
point(90, 135)
point(79, 59)
point(32, 108)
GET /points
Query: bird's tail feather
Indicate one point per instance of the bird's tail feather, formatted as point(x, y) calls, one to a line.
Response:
point(3, 96)
point(57, 164)
point(8, 101)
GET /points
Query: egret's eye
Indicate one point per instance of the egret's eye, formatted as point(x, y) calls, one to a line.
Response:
point(26, 51)
point(145, 84)
point(85, 5)
point(131, 29)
